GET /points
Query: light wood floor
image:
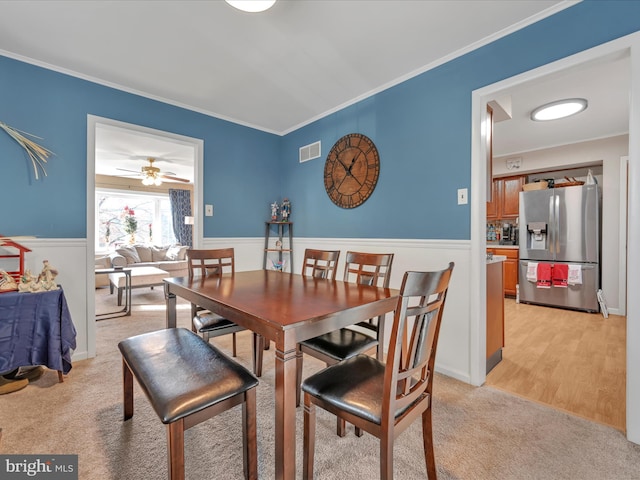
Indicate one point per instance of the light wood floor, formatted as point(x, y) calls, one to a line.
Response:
point(569, 360)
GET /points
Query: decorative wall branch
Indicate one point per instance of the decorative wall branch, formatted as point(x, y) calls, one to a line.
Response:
point(37, 153)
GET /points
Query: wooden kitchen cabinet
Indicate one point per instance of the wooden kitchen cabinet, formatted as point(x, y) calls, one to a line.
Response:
point(505, 199)
point(495, 314)
point(509, 269)
point(492, 206)
point(511, 188)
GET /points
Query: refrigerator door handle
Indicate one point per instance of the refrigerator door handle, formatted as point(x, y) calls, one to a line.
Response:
point(551, 230)
point(556, 223)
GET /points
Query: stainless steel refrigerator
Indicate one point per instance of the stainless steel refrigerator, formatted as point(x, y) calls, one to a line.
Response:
point(561, 226)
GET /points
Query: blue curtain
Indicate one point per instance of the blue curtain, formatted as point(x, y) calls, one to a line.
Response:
point(181, 207)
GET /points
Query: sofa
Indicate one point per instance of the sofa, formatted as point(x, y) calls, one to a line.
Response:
point(172, 259)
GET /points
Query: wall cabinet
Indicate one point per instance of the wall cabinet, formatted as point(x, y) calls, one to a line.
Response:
point(509, 269)
point(511, 188)
point(505, 198)
point(492, 206)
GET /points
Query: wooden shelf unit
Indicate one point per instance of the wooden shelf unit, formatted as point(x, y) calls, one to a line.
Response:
point(284, 235)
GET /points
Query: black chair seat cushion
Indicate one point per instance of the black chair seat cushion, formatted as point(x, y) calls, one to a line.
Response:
point(341, 344)
point(354, 385)
point(181, 373)
point(206, 321)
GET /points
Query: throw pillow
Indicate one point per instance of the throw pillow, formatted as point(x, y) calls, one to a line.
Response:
point(177, 252)
point(129, 253)
point(158, 254)
point(144, 253)
point(182, 254)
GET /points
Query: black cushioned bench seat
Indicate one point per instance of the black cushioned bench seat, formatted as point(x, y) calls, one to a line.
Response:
point(187, 380)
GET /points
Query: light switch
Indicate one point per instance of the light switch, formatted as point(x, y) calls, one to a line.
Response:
point(462, 196)
point(208, 210)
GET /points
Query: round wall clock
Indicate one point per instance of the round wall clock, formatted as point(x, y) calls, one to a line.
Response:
point(351, 170)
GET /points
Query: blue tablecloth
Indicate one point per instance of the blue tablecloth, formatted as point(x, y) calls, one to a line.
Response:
point(36, 329)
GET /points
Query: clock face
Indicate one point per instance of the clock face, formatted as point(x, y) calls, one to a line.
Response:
point(351, 170)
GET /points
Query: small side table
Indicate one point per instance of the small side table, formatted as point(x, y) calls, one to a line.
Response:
point(36, 329)
point(126, 310)
point(284, 243)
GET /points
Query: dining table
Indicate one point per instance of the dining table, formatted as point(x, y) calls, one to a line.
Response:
point(285, 308)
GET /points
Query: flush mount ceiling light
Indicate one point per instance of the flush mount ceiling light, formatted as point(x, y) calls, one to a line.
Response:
point(252, 6)
point(559, 109)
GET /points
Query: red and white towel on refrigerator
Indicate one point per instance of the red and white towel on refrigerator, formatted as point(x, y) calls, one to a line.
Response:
point(560, 275)
point(544, 275)
point(575, 274)
point(532, 271)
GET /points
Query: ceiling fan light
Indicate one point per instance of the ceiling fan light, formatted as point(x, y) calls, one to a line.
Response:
point(252, 6)
point(147, 181)
point(559, 109)
point(158, 181)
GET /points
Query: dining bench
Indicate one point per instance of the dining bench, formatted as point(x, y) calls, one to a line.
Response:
point(187, 381)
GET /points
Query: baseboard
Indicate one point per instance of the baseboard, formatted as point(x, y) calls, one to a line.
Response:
point(456, 374)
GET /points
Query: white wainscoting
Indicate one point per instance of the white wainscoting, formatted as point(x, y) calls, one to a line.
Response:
point(69, 256)
point(453, 358)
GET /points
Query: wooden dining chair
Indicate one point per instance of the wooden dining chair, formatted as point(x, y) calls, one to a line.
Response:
point(385, 399)
point(215, 262)
point(320, 263)
point(332, 347)
point(370, 269)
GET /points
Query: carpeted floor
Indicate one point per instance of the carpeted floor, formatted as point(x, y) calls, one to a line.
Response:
point(479, 433)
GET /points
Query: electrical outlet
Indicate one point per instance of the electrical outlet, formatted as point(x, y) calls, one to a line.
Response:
point(208, 210)
point(462, 196)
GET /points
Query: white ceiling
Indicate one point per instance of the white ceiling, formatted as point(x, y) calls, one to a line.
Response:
point(123, 152)
point(280, 69)
point(605, 83)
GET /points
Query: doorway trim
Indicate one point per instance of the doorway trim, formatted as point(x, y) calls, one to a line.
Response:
point(629, 44)
point(198, 145)
point(622, 239)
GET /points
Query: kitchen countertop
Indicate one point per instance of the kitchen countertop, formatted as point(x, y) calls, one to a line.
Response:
point(496, 259)
point(497, 245)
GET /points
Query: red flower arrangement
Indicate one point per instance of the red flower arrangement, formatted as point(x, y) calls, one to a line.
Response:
point(129, 219)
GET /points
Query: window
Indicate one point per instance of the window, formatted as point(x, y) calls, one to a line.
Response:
point(152, 214)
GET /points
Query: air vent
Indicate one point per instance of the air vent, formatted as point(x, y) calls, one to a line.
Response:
point(309, 152)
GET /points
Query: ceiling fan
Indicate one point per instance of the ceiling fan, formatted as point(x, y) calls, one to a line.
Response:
point(152, 175)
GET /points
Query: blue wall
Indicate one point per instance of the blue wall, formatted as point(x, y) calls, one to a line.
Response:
point(422, 129)
point(239, 162)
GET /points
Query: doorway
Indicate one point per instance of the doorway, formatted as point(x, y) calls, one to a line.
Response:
point(566, 359)
point(148, 136)
point(627, 45)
